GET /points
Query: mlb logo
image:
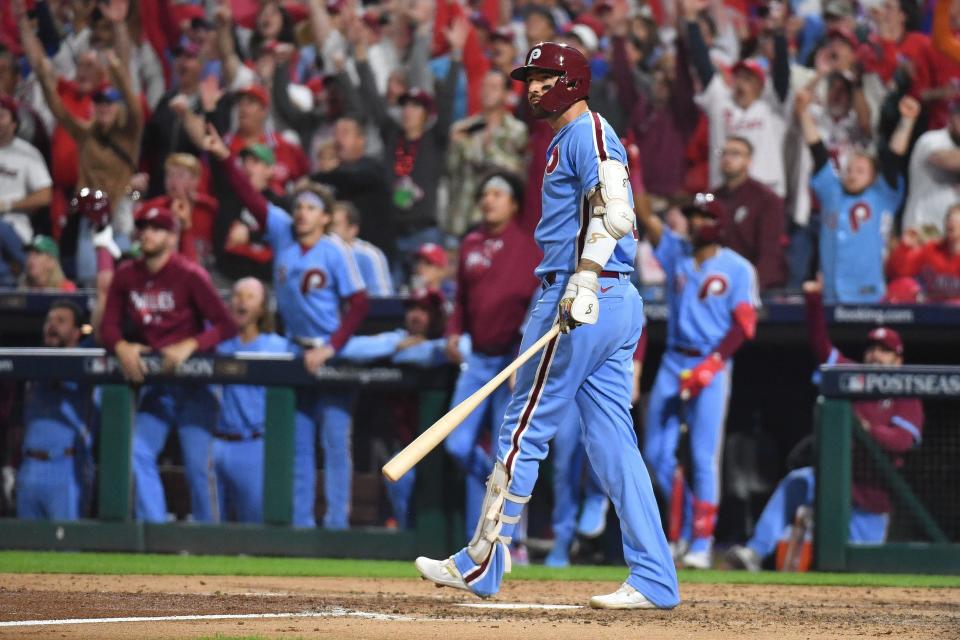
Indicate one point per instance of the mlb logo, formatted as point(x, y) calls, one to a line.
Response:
point(855, 383)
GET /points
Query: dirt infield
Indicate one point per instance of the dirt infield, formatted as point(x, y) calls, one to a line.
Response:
point(401, 609)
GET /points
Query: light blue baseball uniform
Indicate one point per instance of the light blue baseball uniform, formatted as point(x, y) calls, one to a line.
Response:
point(589, 369)
point(238, 437)
point(852, 236)
point(310, 285)
point(374, 268)
point(703, 303)
point(56, 417)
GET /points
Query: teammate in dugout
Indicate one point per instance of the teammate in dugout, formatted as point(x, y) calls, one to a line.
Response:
point(587, 236)
point(712, 298)
point(57, 442)
point(895, 423)
point(315, 274)
point(173, 309)
point(238, 436)
point(495, 282)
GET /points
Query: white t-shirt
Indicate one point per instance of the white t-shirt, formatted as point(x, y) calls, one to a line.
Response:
point(763, 123)
point(22, 172)
point(932, 190)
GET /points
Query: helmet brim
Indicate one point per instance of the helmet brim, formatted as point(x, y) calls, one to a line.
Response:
point(521, 73)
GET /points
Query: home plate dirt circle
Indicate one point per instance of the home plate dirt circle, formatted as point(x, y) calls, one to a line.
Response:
point(402, 609)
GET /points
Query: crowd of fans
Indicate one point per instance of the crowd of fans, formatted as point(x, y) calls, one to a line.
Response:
point(402, 107)
point(829, 132)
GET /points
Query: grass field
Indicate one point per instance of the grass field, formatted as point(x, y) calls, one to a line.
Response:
point(181, 565)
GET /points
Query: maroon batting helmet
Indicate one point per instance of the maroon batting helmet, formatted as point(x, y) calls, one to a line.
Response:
point(565, 61)
point(707, 204)
point(94, 205)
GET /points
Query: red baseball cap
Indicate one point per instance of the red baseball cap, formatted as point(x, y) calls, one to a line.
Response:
point(433, 254)
point(159, 217)
point(257, 92)
point(902, 291)
point(750, 66)
point(842, 33)
point(418, 96)
point(887, 338)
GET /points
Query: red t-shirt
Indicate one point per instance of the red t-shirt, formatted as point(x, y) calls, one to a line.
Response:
point(884, 56)
point(166, 307)
point(933, 264)
point(64, 159)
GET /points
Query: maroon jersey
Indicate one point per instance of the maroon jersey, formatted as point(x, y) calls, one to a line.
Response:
point(897, 426)
point(755, 228)
point(495, 282)
point(166, 307)
point(895, 423)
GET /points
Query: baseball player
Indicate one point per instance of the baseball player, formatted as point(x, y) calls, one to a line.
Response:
point(587, 236)
point(56, 443)
point(494, 284)
point(857, 209)
point(172, 307)
point(238, 436)
point(895, 423)
point(370, 259)
point(712, 298)
point(315, 275)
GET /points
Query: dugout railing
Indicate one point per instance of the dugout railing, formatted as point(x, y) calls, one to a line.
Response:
point(924, 532)
point(113, 527)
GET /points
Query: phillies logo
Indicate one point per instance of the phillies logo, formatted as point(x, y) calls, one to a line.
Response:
point(859, 214)
point(715, 285)
point(312, 279)
point(554, 160)
point(534, 55)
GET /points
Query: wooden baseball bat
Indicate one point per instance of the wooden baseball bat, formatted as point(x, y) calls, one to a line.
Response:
point(435, 434)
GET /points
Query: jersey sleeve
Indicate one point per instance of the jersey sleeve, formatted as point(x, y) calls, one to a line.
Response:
point(346, 274)
point(744, 298)
point(826, 184)
point(669, 252)
point(593, 143)
point(279, 228)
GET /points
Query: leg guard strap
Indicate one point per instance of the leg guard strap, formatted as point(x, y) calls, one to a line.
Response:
point(492, 518)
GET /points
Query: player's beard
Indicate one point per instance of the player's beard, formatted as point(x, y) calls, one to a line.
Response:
point(536, 110)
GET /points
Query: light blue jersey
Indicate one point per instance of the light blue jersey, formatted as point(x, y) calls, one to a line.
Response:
point(373, 268)
point(704, 301)
point(310, 283)
point(573, 164)
point(243, 406)
point(852, 236)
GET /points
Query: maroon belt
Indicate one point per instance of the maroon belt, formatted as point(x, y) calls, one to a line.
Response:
point(36, 454)
point(551, 277)
point(693, 353)
point(236, 437)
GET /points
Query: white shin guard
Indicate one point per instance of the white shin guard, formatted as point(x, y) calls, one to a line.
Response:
point(492, 518)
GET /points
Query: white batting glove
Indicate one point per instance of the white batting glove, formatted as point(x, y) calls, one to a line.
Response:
point(579, 304)
point(103, 239)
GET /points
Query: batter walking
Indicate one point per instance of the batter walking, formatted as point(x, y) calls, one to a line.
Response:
point(587, 236)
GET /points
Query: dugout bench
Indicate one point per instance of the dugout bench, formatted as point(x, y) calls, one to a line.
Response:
point(836, 433)
point(114, 529)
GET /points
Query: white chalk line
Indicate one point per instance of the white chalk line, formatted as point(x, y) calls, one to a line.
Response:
point(518, 605)
point(337, 612)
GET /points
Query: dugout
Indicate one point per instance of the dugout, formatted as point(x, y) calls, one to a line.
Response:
point(773, 403)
